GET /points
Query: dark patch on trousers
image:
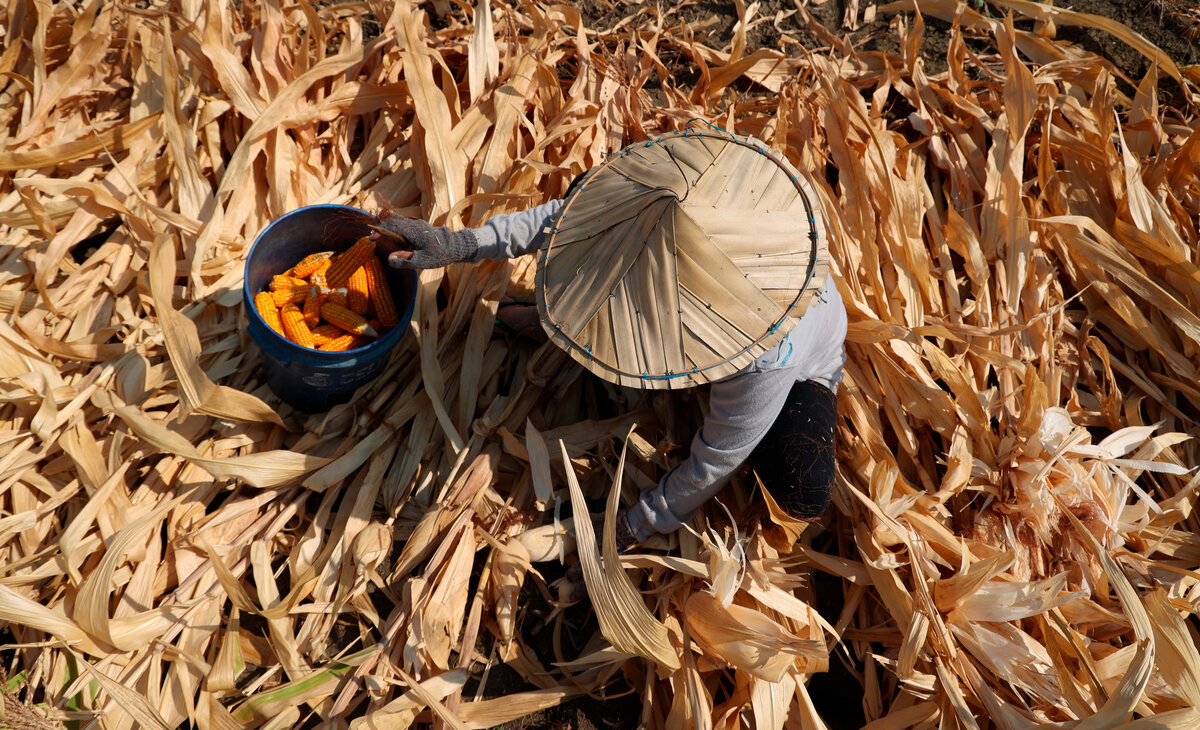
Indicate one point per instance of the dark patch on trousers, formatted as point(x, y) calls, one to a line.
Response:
point(796, 459)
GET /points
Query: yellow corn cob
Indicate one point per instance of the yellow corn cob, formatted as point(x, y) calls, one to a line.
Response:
point(358, 296)
point(310, 263)
point(381, 293)
point(312, 306)
point(295, 295)
point(265, 304)
point(295, 328)
point(325, 332)
point(324, 267)
point(347, 341)
point(349, 260)
point(337, 296)
point(347, 319)
point(283, 281)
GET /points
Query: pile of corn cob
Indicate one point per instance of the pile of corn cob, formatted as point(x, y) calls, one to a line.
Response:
point(330, 302)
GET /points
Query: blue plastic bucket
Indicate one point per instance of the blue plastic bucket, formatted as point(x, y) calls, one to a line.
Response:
point(306, 379)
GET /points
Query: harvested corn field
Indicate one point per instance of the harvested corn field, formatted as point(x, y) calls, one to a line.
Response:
point(1013, 540)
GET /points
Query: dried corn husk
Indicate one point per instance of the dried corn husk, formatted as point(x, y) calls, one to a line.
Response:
point(1013, 534)
point(623, 617)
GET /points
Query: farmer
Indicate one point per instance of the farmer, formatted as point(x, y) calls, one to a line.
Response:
point(694, 259)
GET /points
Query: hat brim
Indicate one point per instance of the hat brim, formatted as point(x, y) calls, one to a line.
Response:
point(680, 261)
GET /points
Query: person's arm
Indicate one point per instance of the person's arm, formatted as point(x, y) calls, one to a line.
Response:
point(415, 244)
point(511, 235)
point(741, 410)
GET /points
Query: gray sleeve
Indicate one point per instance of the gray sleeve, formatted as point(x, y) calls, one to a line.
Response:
point(741, 410)
point(510, 235)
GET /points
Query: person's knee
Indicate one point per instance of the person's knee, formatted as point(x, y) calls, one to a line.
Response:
point(797, 460)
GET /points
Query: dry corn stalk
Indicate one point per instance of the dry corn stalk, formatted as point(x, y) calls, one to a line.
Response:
point(1014, 528)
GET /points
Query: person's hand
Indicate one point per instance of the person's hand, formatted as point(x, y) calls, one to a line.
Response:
point(625, 537)
point(415, 244)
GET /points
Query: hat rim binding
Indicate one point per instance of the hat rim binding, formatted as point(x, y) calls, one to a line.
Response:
point(814, 281)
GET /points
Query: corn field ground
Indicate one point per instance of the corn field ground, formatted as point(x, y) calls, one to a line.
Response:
point(1013, 542)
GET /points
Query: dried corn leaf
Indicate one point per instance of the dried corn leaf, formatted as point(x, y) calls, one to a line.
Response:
point(138, 707)
point(269, 469)
point(496, 712)
point(321, 683)
point(1013, 238)
point(401, 712)
point(623, 616)
point(745, 638)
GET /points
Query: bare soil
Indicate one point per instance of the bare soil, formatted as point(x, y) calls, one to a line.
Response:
point(1171, 25)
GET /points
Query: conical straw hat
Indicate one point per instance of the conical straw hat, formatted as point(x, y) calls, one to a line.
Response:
point(681, 260)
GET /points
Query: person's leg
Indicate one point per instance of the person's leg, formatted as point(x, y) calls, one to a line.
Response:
point(796, 459)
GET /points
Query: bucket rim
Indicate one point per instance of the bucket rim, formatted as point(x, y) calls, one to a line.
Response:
point(387, 341)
